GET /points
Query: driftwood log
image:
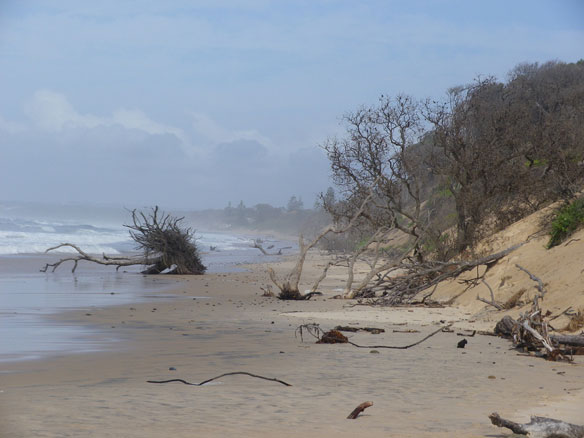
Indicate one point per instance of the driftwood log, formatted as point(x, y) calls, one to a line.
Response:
point(527, 333)
point(540, 427)
point(257, 244)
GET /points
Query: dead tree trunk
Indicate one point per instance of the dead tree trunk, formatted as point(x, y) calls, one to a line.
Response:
point(289, 286)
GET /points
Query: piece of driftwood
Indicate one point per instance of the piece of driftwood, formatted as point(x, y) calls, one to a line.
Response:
point(505, 327)
point(531, 332)
point(296, 295)
point(571, 340)
point(540, 427)
point(245, 373)
point(257, 244)
point(359, 409)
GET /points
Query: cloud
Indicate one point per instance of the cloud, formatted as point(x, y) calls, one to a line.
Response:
point(216, 134)
point(51, 111)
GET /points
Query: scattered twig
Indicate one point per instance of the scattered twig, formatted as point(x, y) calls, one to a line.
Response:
point(313, 330)
point(359, 409)
point(218, 377)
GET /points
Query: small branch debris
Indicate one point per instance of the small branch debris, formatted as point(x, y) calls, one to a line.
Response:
point(359, 409)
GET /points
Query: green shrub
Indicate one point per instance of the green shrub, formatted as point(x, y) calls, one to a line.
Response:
point(568, 219)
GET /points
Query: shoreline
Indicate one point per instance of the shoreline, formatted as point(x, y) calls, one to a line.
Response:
point(432, 390)
point(30, 298)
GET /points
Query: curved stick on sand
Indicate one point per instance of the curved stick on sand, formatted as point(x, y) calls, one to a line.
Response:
point(359, 409)
point(218, 377)
point(401, 347)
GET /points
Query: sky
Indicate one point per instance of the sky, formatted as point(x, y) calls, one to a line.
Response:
point(192, 104)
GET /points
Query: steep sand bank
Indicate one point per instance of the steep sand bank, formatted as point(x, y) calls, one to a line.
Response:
point(431, 390)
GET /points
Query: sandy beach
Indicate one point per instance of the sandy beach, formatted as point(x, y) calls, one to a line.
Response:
point(430, 390)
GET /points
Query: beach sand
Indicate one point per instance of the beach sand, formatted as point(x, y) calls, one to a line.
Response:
point(431, 390)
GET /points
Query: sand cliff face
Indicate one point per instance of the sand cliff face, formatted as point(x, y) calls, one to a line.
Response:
point(560, 268)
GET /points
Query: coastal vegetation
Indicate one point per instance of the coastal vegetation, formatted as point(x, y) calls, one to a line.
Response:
point(434, 178)
point(451, 172)
point(568, 219)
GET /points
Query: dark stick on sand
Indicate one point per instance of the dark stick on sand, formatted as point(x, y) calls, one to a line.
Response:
point(218, 377)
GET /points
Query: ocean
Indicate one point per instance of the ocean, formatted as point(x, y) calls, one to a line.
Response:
point(28, 297)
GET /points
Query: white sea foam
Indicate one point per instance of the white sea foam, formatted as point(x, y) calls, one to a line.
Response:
point(27, 228)
point(26, 236)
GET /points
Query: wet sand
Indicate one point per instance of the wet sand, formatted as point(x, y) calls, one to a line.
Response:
point(431, 390)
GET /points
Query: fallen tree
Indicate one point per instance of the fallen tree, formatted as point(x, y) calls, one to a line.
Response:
point(401, 283)
point(165, 247)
